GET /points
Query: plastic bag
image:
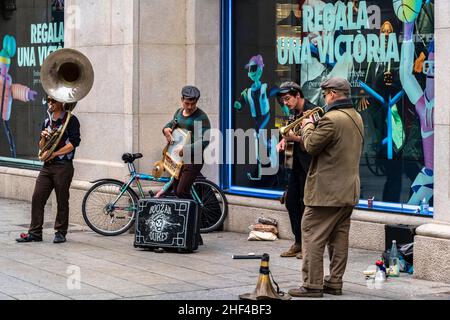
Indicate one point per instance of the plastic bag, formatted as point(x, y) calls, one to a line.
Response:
point(267, 220)
point(264, 227)
point(261, 235)
point(406, 251)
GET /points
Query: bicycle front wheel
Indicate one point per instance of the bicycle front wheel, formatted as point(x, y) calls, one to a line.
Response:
point(108, 209)
point(213, 205)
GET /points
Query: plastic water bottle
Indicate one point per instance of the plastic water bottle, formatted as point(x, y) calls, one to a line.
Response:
point(380, 278)
point(424, 206)
point(394, 263)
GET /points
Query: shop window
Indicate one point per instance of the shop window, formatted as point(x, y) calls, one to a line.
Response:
point(265, 43)
point(29, 32)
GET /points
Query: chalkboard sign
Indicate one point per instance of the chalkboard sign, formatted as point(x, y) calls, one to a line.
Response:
point(167, 223)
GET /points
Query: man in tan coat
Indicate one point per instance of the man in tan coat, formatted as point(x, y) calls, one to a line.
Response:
point(332, 189)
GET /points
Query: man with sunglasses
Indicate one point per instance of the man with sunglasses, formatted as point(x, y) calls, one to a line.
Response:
point(56, 173)
point(332, 189)
point(290, 94)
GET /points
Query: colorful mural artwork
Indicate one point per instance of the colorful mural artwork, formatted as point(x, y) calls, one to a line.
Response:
point(10, 91)
point(423, 99)
point(256, 98)
point(386, 51)
point(35, 30)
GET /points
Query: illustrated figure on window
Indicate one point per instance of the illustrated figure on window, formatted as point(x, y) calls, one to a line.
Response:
point(423, 99)
point(256, 98)
point(314, 72)
point(10, 91)
point(388, 96)
point(59, 4)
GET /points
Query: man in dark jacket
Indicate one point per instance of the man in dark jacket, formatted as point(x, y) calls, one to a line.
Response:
point(291, 95)
point(56, 173)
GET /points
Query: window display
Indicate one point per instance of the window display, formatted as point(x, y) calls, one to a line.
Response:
point(386, 51)
point(30, 33)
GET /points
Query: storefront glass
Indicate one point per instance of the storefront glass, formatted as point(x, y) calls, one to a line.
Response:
point(29, 32)
point(265, 43)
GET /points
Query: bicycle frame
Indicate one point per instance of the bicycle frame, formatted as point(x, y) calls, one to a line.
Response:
point(136, 177)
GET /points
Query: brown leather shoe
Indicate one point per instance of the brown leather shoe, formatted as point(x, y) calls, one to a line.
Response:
point(292, 251)
point(299, 255)
point(305, 292)
point(335, 292)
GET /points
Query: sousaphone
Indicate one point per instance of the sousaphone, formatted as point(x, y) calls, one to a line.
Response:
point(67, 76)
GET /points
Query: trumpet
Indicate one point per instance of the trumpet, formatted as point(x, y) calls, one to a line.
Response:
point(295, 126)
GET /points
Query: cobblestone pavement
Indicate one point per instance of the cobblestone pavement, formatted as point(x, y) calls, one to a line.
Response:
point(111, 268)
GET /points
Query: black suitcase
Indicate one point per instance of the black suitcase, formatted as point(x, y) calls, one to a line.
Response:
point(167, 223)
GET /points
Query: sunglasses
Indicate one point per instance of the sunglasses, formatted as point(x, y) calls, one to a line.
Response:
point(51, 100)
point(253, 68)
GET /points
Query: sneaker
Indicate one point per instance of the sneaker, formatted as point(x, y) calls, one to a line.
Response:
point(305, 292)
point(292, 251)
point(335, 292)
point(59, 238)
point(28, 237)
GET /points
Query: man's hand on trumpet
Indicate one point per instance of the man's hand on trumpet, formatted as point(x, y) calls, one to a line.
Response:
point(307, 121)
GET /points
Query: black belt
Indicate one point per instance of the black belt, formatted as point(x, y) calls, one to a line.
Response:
point(58, 162)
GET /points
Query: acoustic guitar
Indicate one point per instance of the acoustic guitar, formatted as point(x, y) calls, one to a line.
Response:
point(289, 155)
point(289, 148)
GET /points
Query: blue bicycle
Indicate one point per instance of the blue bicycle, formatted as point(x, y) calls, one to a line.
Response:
point(110, 206)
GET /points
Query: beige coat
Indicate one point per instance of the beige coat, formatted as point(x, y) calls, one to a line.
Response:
point(336, 146)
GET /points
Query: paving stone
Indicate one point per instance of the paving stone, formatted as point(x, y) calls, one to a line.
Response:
point(41, 296)
point(111, 268)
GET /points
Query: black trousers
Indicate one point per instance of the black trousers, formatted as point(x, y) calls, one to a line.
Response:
point(58, 176)
point(182, 187)
point(294, 198)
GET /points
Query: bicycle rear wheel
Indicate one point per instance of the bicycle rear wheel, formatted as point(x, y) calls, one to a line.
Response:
point(213, 205)
point(101, 215)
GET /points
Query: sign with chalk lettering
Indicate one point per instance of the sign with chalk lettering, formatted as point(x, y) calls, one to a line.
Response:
point(167, 223)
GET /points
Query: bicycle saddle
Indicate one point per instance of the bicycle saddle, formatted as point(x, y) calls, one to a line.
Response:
point(129, 158)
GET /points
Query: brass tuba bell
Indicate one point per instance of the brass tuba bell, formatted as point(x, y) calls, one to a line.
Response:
point(66, 76)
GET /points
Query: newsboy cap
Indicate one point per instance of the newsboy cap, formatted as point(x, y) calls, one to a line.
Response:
point(288, 86)
point(190, 92)
point(338, 84)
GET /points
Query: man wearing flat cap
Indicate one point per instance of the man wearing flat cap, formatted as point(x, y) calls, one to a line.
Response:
point(332, 189)
point(291, 95)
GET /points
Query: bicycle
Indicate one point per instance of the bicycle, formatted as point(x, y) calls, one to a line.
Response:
point(110, 206)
